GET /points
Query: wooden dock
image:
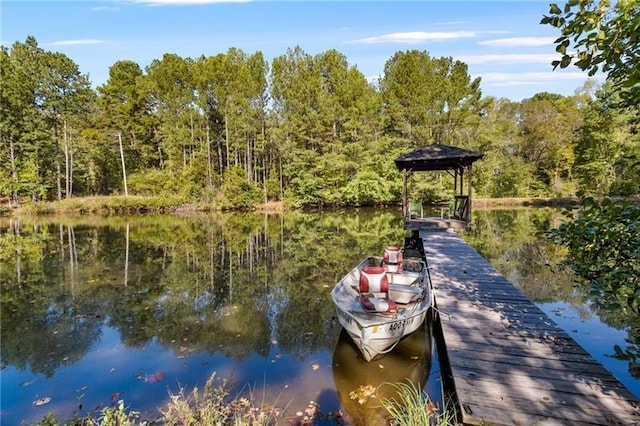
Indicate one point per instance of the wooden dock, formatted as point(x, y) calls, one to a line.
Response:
point(509, 363)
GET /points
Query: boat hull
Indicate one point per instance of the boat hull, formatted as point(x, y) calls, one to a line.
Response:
point(377, 333)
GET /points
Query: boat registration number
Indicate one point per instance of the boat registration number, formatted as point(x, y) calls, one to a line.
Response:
point(399, 324)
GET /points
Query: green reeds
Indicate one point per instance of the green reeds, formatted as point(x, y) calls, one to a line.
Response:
point(413, 408)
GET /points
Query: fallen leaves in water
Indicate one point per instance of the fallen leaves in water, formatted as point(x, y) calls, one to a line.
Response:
point(42, 401)
point(150, 378)
point(184, 352)
point(363, 393)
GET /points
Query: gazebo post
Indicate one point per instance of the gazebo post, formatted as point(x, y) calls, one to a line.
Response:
point(455, 182)
point(404, 193)
point(469, 190)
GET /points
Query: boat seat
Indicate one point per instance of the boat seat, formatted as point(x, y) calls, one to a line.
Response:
point(392, 259)
point(374, 290)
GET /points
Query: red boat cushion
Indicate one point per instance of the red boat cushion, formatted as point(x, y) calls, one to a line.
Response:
point(393, 258)
point(374, 290)
point(378, 304)
point(373, 279)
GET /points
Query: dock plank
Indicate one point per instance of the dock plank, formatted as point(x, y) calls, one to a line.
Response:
point(510, 363)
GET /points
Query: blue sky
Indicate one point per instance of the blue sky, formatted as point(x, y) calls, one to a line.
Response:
point(501, 41)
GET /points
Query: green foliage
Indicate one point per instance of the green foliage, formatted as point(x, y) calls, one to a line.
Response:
point(508, 176)
point(202, 130)
point(412, 408)
point(608, 147)
point(111, 204)
point(119, 415)
point(600, 35)
point(206, 408)
point(429, 188)
point(237, 192)
point(272, 187)
point(604, 250)
point(548, 124)
point(428, 99)
point(305, 191)
point(367, 188)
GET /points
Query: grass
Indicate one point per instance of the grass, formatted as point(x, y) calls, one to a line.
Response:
point(121, 204)
point(211, 406)
point(413, 408)
point(214, 406)
point(108, 205)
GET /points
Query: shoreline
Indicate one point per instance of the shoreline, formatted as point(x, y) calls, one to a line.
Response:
point(160, 205)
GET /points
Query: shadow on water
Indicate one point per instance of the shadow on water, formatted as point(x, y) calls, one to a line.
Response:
point(362, 386)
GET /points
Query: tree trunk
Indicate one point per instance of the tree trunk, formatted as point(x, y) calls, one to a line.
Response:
point(220, 160)
point(124, 170)
point(281, 178)
point(226, 137)
point(14, 175)
point(67, 161)
point(209, 171)
point(70, 192)
point(249, 160)
point(57, 160)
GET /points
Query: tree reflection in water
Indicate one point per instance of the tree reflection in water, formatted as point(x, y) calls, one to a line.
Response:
point(186, 296)
point(242, 288)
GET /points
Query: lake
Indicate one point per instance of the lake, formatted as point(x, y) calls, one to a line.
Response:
point(97, 309)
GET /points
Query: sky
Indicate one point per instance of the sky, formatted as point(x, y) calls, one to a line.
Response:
point(501, 41)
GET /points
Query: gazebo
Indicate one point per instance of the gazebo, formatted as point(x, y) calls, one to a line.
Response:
point(436, 157)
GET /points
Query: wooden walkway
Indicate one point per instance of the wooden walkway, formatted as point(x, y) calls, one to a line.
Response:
point(510, 364)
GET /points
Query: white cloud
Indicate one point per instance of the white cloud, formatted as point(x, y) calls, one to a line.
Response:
point(105, 9)
point(416, 37)
point(185, 2)
point(452, 23)
point(76, 42)
point(499, 79)
point(519, 42)
point(528, 58)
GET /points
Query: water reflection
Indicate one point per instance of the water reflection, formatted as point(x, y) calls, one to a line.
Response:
point(89, 305)
point(243, 290)
point(362, 385)
point(514, 242)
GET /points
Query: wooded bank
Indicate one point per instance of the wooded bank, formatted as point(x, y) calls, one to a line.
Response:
point(143, 204)
point(234, 131)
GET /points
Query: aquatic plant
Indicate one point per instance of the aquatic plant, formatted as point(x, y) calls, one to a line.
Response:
point(412, 407)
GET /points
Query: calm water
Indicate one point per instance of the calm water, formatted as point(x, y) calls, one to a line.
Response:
point(99, 309)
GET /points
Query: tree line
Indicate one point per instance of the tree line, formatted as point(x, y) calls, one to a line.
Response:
point(234, 130)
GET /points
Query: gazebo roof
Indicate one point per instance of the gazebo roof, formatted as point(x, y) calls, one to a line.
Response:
point(437, 157)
